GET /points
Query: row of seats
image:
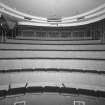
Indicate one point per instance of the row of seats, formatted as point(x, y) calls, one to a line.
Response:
point(12, 64)
point(53, 42)
point(53, 69)
point(23, 47)
point(53, 55)
point(51, 89)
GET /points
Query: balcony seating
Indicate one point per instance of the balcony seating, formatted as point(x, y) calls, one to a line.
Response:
point(51, 89)
point(101, 94)
point(3, 93)
point(68, 90)
point(14, 91)
point(36, 89)
point(87, 92)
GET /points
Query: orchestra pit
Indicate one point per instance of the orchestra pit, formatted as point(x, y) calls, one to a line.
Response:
point(52, 52)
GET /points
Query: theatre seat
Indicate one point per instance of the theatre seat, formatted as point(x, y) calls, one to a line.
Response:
point(100, 94)
point(3, 93)
point(51, 89)
point(68, 90)
point(36, 89)
point(87, 92)
point(14, 91)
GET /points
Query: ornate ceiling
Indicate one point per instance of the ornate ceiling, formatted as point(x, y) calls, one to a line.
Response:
point(61, 13)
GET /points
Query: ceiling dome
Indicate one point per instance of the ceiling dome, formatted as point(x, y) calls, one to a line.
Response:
point(63, 12)
point(49, 8)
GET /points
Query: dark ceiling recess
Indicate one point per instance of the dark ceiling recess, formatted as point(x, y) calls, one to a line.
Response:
point(59, 19)
point(81, 18)
point(27, 18)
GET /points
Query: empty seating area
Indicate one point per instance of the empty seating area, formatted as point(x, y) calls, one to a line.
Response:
point(51, 89)
point(52, 47)
point(93, 31)
point(26, 56)
point(72, 58)
point(11, 30)
point(51, 82)
point(62, 90)
point(52, 42)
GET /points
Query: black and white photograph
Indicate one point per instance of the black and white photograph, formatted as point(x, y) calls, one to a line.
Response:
point(52, 52)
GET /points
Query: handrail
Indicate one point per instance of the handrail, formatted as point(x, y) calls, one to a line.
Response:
point(51, 89)
point(53, 70)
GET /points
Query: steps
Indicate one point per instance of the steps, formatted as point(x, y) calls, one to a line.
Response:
point(52, 54)
point(71, 56)
point(52, 42)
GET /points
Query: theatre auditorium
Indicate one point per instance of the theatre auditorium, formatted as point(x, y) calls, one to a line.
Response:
point(52, 52)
